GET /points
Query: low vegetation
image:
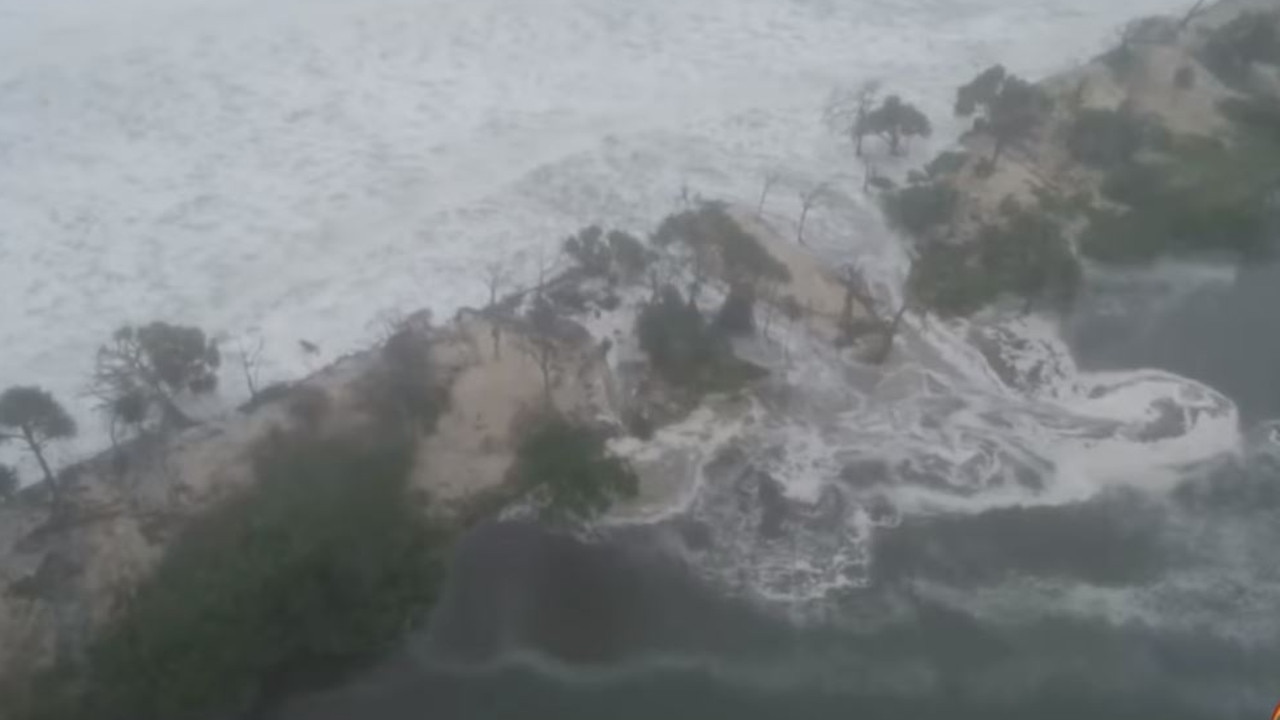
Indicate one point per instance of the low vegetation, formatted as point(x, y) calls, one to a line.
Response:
point(566, 467)
point(922, 207)
point(404, 392)
point(1024, 255)
point(1111, 138)
point(316, 570)
point(616, 255)
point(1200, 196)
point(1232, 50)
point(687, 351)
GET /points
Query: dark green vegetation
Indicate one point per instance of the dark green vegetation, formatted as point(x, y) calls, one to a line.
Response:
point(404, 392)
point(1024, 255)
point(922, 207)
point(1194, 196)
point(317, 569)
point(33, 417)
point(1110, 138)
point(140, 372)
point(1004, 106)
point(681, 346)
point(1232, 50)
point(687, 351)
point(566, 466)
point(615, 254)
point(896, 121)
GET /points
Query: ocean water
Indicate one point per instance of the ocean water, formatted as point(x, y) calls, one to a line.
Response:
point(301, 169)
point(1015, 518)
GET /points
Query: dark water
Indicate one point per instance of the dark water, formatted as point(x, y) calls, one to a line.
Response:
point(535, 625)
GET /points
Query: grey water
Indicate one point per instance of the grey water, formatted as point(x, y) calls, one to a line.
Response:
point(963, 615)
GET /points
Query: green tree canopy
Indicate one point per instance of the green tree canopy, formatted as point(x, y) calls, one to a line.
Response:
point(152, 365)
point(569, 466)
point(1008, 107)
point(33, 416)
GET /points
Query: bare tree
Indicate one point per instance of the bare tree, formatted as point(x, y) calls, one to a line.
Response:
point(496, 276)
point(771, 178)
point(540, 345)
point(807, 201)
point(847, 112)
point(250, 356)
point(1196, 11)
point(883, 321)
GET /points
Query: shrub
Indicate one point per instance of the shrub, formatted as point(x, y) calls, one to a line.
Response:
point(1204, 196)
point(1232, 49)
point(632, 256)
point(1105, 138)
point(675, 337)
point(404, 391)
point(918, 209)
point(315, 571)
point(589, 251)
point(1025, 256)
point(711, 232)
point(308, 406)
point(947, 164)
point(685, 351)
point(568, 467)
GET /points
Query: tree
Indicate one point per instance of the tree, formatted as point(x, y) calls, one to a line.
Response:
point(675, 337)
point(540, 343)
point(1008, 107)
point(34, 417)
point(884, 322)
point(154, 365)
point(849, 111)
point(807, 201)
point(496, 276)
point(631, 256)
point(251, 364)
point(9, 483)
point(771, 178)
point(588, 249)
point(715, 239)
point(895, 120)
point(569, 465)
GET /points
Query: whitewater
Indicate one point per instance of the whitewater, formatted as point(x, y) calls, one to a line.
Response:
point(304, 170)
point(295, 170)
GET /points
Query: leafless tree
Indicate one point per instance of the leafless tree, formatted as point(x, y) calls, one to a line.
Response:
point(1196, 11)
point(847, 112)
point(883, 321)
point(496, 276)
point(771, 178)
point(250, 355)
point(539, 343)
point(807, 201)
